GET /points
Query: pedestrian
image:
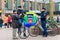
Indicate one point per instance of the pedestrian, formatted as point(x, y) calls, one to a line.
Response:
point(5, 21)
point(9, 21)
point(58, 18)
point(43, 22)
point(1, 22)
point(14, 23)
point(0, 12)
point(20, 12)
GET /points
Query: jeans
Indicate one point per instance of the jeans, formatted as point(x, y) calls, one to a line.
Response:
point(43, 24)
point(19, 31)
point(20, 26)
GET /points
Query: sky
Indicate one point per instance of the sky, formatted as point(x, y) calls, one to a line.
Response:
point(57, 0)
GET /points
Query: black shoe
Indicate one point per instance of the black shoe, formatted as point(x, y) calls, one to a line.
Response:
point(45, 35)
point(24, 34)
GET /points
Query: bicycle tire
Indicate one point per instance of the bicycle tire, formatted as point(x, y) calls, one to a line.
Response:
point(54, 30)
point(34, 32)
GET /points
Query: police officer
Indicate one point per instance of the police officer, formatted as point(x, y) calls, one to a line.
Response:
point(43, 21)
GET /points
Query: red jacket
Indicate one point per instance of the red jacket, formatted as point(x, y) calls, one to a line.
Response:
point(9, 19)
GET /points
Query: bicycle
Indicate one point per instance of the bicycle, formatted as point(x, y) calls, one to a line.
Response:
point(52, 27)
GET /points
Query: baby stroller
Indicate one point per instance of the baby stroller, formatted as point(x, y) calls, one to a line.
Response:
point(30, 22)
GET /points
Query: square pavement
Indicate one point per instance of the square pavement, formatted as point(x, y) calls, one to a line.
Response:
point(6, 34)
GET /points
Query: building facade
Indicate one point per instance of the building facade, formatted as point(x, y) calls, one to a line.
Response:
point(26, 4)
point(13, 4)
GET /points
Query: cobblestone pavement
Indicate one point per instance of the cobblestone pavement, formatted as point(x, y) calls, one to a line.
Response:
point(6, 34)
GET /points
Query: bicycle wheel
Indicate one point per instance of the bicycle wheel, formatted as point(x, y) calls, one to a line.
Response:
point(34, 31)
point(52, 31)
point(58, 29)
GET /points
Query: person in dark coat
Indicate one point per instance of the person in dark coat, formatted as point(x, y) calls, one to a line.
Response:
point(20, 13)
point(43, 21)
point(15, 19)
point(14, 23)
point(58, 18)
point(1, 22)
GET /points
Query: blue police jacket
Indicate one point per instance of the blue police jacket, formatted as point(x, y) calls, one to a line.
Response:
point(43, 14)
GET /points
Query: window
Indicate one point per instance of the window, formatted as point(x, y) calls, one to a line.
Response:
point(6, 4)
point(59, 6)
